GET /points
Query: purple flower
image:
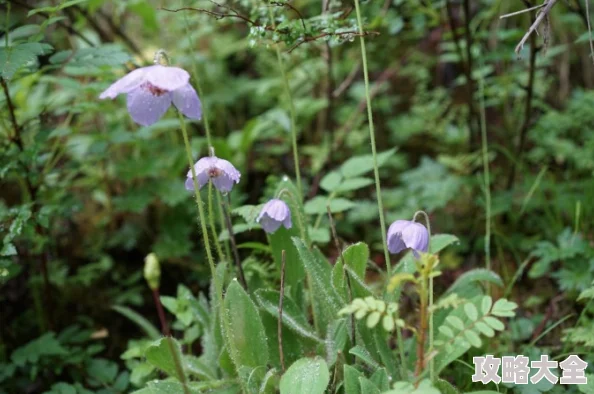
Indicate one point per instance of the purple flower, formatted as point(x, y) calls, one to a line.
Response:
point(151, 90)
point(221, 172)
point(404, 234)
point(274, 213)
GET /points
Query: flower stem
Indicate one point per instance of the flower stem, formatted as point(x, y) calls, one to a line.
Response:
point(292, 113)
point(226, 212)
point(430, 309)
point(213, 228)
point(197, 82)
point(378, 189)
point(201, 215)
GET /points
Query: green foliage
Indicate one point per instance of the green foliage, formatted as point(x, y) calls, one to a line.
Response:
point(86, 194)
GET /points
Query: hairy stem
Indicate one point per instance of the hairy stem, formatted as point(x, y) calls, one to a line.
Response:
point(201, 215)
point(292, 112)
point(226, 212)
point(280, 312)
point(213, 228)
point(164, 326)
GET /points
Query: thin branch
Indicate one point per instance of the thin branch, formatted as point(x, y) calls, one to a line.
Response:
point(541, 16)
point(522, 11)
point(237, 15)
point(288, 5)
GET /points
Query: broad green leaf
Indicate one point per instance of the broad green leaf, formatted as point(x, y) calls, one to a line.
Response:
point(471, 311)
point(362, 353)
point(293, 317)
point(331, 181)
point(244, 332)
point(319, 205)
point(351, 184)
point(306, 376)
point(165, 354)
point(359, 165)
point(281, 240)
point(326, 300)
point(351, 380)
point(367, 386)
point(381, 379)
point(473, 276)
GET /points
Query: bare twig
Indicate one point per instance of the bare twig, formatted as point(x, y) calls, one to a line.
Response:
point(164, 326)
point(306, 38)
point(522, 11)
point(280, 311)
point(541, 16)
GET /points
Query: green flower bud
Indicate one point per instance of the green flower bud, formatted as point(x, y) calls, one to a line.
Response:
point(152, 271)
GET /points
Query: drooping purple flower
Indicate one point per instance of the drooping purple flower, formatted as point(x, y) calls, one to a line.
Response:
point(274, 214)
point(151, 90)
point(221, 172)
point(404, 234)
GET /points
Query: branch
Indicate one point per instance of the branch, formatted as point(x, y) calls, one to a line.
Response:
point(352, 33)
point(294, 9)
point(541, 15)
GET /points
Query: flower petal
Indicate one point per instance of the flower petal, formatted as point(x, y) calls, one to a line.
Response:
point(269, 224)
point(395, 233)
point(167, 78)
point(202, 180)
point(223, 183)
point(228, 169)
point(187, 101)
point(145, 107)
point(416, 237)
point(127, 83)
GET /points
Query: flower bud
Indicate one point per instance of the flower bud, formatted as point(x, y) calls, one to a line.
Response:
point(152, 271)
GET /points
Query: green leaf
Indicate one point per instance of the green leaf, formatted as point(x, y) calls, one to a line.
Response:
point(494, 323)
point(331, 181)
point(318, 205)
point(165, 354)
point(244, 331)
point(351, 380)
point(455, 322)
point(351, 184)
point(381, 379)
point(472, 276)
point(362, 353)
point(326, 301)
point(473, 338)
point(293, 317)
point(15, 57)
point(306, 376)
point(359, 165)
point(367, 386)
point(484, 329)
point(486, 304)
point(445, 330)
point(471, 311)
point(504, 308)
point(140, 321)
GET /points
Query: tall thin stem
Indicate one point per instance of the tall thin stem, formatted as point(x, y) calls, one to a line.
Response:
point(430, 309)
point(378, 189)
point(280, 311)
point(201, 215)
point(487, 175)
point(226, 212)
point(213, 228)
point(292, 112)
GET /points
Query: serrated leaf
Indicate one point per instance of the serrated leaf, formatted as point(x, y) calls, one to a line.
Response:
point(14, 57)
point(306, 376)
point(293, 317)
